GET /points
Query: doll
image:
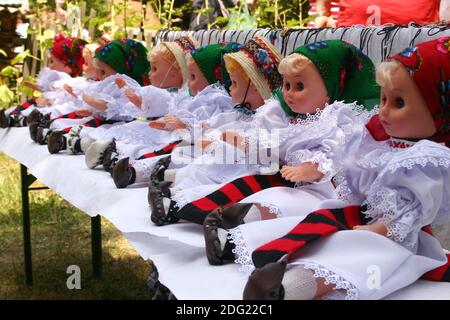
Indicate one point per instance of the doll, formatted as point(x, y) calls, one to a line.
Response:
point(138, 137)
point(389, 192)
point(253, 71)
point(63, 100)
point(122, 59)
point(65, 61)
point(322, 81)
point(208, 84)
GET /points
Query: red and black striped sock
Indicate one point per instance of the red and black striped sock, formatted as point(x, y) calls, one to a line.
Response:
point(165, 150)
point(322, 223)
point(71, 115)
point(23, 106)
point(230, 194)
point(316, 225)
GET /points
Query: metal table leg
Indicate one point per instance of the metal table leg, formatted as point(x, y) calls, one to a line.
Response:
point(96, 245)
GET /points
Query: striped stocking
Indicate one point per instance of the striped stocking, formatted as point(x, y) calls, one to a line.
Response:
point(230, 194)
point(319, 224)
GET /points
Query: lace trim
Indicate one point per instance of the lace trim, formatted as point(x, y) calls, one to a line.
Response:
point(422, 153)
point(325, 164)
point(330, 277)
point(177, 195)
point(142, 167)
point(272, 209)
point(243, 256)
point(342, 189)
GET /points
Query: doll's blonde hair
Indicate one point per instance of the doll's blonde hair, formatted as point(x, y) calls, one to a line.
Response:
point(162, 50)
point(233, 66)
point(293, 64)
point(385, 71)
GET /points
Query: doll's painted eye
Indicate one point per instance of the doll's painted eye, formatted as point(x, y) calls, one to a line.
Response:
point(300, 86)
point(193, 76)
point(287, 85)
point(399, 103)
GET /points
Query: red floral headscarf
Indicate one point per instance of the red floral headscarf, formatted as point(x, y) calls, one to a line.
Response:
point(70, 51)
point(428, 64)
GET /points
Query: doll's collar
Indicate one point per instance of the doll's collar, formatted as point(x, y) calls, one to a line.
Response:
point(173, 90)
point(397, 143)
point(245, 108)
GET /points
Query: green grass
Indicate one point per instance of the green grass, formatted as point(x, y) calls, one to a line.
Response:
point(60, 236)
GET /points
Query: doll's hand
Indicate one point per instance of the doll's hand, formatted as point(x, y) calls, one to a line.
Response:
point(375, 227)
point(173, 123)
point(157, 124)
point(306, 172)
point(96, 103)
point(83, 113)
point(69, 90)
point(133, 97)
point(203, 143)
point(31, 85)
point(120, 82)
point(43, 102)
point(233, 138)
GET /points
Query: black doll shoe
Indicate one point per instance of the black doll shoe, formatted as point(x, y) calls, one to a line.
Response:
point(265, 283)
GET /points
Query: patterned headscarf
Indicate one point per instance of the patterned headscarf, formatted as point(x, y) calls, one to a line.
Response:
point(70, 51)
point(428, 64)
point(127, 57)
point(260, 59)
point(211, 63)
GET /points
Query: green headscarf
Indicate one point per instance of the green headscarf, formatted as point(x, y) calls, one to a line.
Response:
point(127, 57)
point(348, 74)
point(210, 61)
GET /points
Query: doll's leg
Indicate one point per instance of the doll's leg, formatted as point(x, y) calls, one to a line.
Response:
point(229, 194)
point(218, 246)
point(274, 282)
point(126, 172)
point(68, 140)
point(99, 151)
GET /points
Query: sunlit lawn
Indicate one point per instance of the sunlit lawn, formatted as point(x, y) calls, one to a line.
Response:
point(61, 237)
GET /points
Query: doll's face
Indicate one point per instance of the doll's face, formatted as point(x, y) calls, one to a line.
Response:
point(243, 91)
point(305, 92)
point(103, 70)
point(164, 74)
point(89, 70)
point(197, 81)
point(55, 64)
point(403, 111)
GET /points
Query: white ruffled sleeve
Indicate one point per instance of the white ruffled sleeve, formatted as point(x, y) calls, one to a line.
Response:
point(47, 77)
point(155, 101)
point(322, 138)
point(211, 101)
point(412, 191)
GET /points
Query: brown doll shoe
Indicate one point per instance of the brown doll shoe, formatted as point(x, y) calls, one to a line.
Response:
point(160, 215)
point(34, 116)
point(56, 142)
point(158, 170)
point(42, 135)
point(123, 174)
point(265, 283)
point(214, 253)
point(5, 121)
point(110, 157)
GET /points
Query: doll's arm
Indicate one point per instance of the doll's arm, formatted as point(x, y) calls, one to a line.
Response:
point(133, 97)
point(155, 101)
point(305, 172)
point(32, 86)
point(98, 104)
point(410, 199)
point(168, 123)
